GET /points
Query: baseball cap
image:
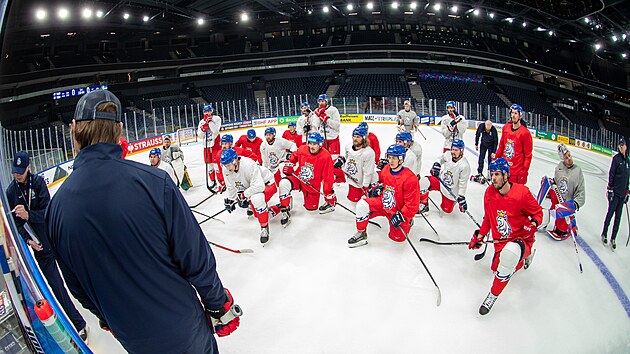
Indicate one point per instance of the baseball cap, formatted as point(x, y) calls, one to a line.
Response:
point(407, 102)
point(86, 107)
point(20, 161)
point(622, 141)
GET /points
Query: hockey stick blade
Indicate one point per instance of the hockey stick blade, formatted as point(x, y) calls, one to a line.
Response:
point(482, 254)
point(443, 243)
point(245, 250)
point(203, 201)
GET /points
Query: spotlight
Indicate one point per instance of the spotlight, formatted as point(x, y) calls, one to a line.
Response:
point(413, 5)
point(437, 7)
point(524, 24)
point(491, 15)
point(454, 9)
point(244, 17)
point(370, 5)
point(623, 36)
point(63, 13)
point(349, 7)
point(99, 13)
point(87, 13)
point(40, 14)
point(325, 9)
point(145, 18)
point(614, 38)
point(598, 46)
point(624, 55)
point(476, 12)
point(200, 21)
point(126, 16)
point(551, 33)
point(395, 5)
point(587, 20)
point(510, 20)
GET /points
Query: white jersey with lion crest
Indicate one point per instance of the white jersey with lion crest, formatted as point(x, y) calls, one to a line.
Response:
point(360, 166)
point(273, 155)
point(454, 174)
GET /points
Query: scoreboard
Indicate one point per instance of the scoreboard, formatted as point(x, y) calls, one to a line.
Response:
point(79, 91)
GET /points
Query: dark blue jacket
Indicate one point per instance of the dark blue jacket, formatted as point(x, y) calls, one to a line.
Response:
point(18, 193)
point(489, 140)
point(618, 175)
point(132, 252)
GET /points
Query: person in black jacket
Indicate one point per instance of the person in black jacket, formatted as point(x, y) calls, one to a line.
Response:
point(28, 199)
point(130, 248)
point(489, 141)
point(616, 191)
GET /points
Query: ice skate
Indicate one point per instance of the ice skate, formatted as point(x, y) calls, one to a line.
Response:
point(528, 261)
point(604, 239)
point(326, 208)
point(358, 239)
point(613, 244)
point(264, 234)
point(285, 216)
point(424, 208)
point(487, 304)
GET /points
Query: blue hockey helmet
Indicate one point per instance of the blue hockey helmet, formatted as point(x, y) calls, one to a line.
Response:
point(207, 108)
point(458, 143)
point(517, 107)
point(305, 104)
point(396, 150)
point(315, 138)
point(251, 134)
point(227, 138)
point(500, 164)
point(292, 124)
point(360, 131)
point(323, 96)
point(450, 104)
point(270, 130)
point(364, 125)
point(228, 156)
point(404, 136)
point(156, 152)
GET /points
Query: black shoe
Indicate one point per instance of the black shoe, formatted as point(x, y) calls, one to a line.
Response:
point(613, 244)
point(326, 208)
point(358, 239)
point(83, 333)
point(604, 239)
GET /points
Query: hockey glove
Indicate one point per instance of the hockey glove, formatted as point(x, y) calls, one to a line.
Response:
point(289, 153)
point(625, 199)
point(243, 202)
point(225, 320)
point(340, 161)
point(230, 205)
point(435, 170)
point(176, 155)
point(463, 206)
point(522, 177)
point(375, 190)
point(475, 241)
point(205, 127)
point(453, 123)
point(609, 195)
point(382, 163)
point(307, 128)
point(288, 169)
point(397, 219)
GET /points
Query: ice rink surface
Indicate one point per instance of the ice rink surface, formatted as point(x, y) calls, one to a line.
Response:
point(307, 292)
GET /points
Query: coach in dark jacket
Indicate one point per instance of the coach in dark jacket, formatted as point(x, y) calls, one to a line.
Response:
point(489, 142)
point(128, 244)
point(617, 191)
point(28, 199)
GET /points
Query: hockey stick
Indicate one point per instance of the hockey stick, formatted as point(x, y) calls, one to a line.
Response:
point(440, 211)
point(212, 217)
point(572, 229)
point(427, 220)
point(451, 243)
point(439, 297)
point(628, 215)
point(341, 205)
point(418, 130)
point(244, 250)
point(201, 202)
point(207, 216)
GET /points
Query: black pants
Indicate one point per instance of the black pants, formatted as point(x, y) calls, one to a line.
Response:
point(614, 206)
point(482, 153)
point(48, 265)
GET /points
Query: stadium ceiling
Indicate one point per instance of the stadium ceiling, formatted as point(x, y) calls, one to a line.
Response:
point(587, 21)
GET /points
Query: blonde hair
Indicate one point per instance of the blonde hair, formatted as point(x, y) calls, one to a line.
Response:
point(89, 132)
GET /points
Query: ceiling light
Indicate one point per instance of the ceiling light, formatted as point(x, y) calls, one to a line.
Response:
point(524, 24)
point(395, 5)
point(63, 13)
point(587, 20)
point(145, 18)
point(87, 13)
point(614, 38)
point(370, 5)
point(454, 9)
point(244, 17)
point(40, 14)
point(624, 55)
point(413, 5)
point(623, 36)
point(491, 15)
point(551, 33)
point(126, 16)
point(437, 7)
point(325, 9)
point(349, 7)
point(598, 46)
point(476, 12)
point(200, 21)
point(99, 13)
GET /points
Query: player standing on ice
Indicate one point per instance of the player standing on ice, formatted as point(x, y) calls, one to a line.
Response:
point(304, 123)
point(143, 266)
point(516, 146)
point(314, 166)
point(453, 126)
point(396, 198)
point(489, 141)
point(250, 186)
point(454, 171)
point(374, 143)
point(155, 158)
point(227, 140)
point(568, 181)
point(174, 156)
point(274, 151)
point(209, 128)
point(291, 134)
point(251, 143)
point(513, 214)
point(407, 119)
point(328, 126)
point(358, 164)
point(617, 191)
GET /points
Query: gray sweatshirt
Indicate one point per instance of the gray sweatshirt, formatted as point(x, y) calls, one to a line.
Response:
point(570, 182)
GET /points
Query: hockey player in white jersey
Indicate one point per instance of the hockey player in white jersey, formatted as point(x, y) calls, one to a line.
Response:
point(174, 156)
point(208, 130)
point(415, 147)
point(453, 126)
point(155, 158)
point(358, 165)
point(328, 126)
point(274, 151)
point(304, 124)
point(250, 186)
point(454, 171)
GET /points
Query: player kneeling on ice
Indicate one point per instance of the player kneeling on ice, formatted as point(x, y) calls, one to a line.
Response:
point(396, 198)
point(358, 165)
point(451, 172)
point(155, 157)
point(314, 168)
point(513, 214)
point(374, 143)
point(274, 151)
point(567, 185)
point(249, 185)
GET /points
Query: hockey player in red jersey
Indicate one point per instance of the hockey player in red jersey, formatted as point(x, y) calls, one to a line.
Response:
point(250, 142)
point(396, 198)
point(513, 215)
point(291, 134)
point(227, 142)
point(374, 144)
point(310, 164)
point(516, 146)
point(208, 129)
